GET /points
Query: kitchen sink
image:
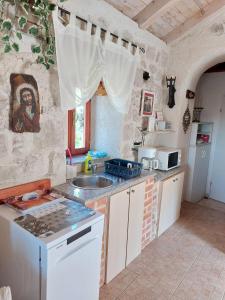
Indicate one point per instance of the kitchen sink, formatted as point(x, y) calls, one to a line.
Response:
point(92, 182)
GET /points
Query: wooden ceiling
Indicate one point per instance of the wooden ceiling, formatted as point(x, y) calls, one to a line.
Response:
point(167, 19)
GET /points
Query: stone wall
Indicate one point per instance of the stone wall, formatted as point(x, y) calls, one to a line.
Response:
point(154, 61)
point(26, 157)
point(32, 156)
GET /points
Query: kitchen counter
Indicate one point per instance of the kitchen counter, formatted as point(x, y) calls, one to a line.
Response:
point(119, 184)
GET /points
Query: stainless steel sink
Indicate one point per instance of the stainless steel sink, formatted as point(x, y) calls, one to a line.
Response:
point(92, 182)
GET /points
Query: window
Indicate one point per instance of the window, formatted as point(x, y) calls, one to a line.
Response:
point(79, 129)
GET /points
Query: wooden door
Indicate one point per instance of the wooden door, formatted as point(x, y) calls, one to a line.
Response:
point(170, 202)
point(117, 235)
point(135, 222)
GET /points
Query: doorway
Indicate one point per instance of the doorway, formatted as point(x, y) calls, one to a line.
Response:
point(210, 94)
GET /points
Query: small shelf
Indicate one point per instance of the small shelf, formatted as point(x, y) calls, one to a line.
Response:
point(204, 132)
point(204, 129)
point(159, 131)
point(202, 144)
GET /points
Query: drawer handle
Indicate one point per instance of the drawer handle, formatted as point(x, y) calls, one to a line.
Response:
point(133, 191)
point(128, 193)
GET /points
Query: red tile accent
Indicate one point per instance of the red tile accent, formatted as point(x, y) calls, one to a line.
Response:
point(101, 205)
point(150, 210)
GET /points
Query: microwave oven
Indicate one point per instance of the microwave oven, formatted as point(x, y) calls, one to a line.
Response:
point(169, 158)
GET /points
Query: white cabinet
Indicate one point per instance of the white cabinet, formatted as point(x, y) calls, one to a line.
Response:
point(136, 214)
point(125, 229)
point(171, 195)
point(117, 234)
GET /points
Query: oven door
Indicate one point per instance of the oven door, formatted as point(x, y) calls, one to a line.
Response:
point(173, 159)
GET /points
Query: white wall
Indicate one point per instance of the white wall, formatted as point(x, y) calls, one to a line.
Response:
point(189, 57)
point(210, 94)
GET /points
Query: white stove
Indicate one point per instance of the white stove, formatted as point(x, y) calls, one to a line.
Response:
point(52, 252)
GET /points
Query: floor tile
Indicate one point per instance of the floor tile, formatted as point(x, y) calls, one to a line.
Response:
point(186, 262)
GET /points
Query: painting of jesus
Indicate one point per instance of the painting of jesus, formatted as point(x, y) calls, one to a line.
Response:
point(24, 103)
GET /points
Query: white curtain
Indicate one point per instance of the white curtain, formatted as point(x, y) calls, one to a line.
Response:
point(79, 60)
point(5, 293)
point(83, 60)
point(120, 67)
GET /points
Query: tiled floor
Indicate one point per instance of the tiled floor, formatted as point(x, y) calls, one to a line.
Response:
point(186, 262)
point(210, 203)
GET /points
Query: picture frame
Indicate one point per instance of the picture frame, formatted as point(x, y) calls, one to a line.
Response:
point(147, 103)
point(24, 104)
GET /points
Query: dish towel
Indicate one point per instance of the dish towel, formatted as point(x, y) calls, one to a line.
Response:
point(5, 293)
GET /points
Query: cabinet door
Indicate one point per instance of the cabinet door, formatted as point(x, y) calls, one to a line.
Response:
point(170, 202)
point(117, 235)
point(136, 212)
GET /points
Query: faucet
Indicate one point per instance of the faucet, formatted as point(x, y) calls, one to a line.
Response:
point(93, 168)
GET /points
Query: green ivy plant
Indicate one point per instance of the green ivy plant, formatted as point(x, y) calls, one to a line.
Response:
point(12, 28)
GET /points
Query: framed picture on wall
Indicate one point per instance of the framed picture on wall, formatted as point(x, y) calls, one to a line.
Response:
point(147, 103)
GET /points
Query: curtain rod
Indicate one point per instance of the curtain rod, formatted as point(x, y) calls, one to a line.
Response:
point(104, 30)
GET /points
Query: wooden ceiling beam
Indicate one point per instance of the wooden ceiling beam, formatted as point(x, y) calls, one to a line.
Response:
point(146, 17)
point(209, 9)
point(199, 4)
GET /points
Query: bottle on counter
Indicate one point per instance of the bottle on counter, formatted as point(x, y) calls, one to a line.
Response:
point(88, 163)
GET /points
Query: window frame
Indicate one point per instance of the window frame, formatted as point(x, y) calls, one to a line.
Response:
point(71, 131)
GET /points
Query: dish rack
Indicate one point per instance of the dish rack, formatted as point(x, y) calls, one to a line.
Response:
point(123, 168)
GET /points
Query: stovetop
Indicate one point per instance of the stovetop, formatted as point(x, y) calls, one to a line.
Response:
point(44, 221)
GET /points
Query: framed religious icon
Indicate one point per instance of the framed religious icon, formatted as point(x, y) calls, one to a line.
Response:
point(25, 105)
point(147, 103)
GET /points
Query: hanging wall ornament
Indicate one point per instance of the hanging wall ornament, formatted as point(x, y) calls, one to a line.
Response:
point(171, 85)
point(186, 119)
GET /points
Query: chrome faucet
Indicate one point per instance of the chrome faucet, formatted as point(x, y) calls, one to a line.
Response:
point(93, 168)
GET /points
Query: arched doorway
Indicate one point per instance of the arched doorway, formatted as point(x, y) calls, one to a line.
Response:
point(206, 163)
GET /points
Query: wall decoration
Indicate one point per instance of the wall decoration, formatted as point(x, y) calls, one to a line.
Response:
point(146, 75)
point(171, 85)
point(197, 114)
point(25, 106)
point(190, 94)
point(147, 103)
point(186, 119)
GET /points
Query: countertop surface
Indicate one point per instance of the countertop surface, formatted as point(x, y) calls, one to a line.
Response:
point(119, 184)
